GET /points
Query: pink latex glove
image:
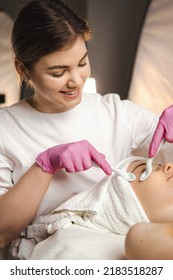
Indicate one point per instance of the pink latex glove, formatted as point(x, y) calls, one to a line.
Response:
point(164, 129)
point(74, 157)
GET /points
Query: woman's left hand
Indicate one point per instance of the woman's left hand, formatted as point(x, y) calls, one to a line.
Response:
point(164, 129)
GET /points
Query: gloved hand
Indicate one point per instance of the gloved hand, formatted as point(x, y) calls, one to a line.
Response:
point(164, 129)
point(74, 157)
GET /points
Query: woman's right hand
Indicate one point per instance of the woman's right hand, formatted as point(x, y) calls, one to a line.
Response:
point(74, 157)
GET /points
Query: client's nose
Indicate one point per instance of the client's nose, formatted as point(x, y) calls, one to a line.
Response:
point(168, 167)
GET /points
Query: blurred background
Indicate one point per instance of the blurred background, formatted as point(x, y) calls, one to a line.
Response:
point(130, 52)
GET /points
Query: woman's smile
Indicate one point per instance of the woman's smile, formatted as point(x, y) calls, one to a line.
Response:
point(70, 94)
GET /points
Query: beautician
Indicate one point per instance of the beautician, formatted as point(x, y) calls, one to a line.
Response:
point(47, 139)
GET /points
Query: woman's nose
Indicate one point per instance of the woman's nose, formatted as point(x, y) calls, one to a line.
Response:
point(168, 167)
point(75, 80)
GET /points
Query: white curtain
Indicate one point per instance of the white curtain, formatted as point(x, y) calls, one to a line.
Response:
point(152, 80)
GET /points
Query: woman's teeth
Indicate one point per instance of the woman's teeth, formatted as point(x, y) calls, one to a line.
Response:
point(71, 92)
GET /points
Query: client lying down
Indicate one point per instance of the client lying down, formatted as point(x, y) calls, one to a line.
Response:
point(93, 224)
point(154, 241)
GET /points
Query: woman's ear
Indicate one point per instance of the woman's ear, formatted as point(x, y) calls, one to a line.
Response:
point(22, 71)
point(20, 68)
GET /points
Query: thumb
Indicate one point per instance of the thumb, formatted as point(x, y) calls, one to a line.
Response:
point(156, 140)
point(169, 135)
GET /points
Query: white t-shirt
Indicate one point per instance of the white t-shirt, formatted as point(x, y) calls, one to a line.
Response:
point(114, 127)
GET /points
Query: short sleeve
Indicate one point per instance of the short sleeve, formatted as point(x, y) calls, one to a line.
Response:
point(6, 169)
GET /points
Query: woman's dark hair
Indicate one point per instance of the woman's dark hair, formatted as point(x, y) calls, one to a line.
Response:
point(45, 26)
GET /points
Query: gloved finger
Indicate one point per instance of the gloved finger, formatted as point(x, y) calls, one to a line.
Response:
point(70, 169)
point(167, 120)
point(100, 160)
point(87, 162)
point(77, 164)
point(68, 165)
point(156, 140)
point(82, 164)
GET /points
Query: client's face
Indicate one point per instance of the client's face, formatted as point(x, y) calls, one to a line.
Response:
point(156, 192)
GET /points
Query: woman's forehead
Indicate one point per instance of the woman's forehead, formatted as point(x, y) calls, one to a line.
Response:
point(65, 56)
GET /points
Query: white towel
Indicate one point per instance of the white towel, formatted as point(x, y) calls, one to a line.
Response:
point(110, 205)
point(93, 223)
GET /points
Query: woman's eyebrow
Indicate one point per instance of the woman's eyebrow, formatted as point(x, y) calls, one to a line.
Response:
point(144, 163)
point(57, 67)
point(84, 56)
point(65, 66)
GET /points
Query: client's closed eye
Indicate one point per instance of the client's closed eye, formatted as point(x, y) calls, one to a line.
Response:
point(139, 170)
point(142, 167)
point(142, 170)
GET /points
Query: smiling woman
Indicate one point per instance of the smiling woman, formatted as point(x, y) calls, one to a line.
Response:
point(50, 142)
point(58, 78)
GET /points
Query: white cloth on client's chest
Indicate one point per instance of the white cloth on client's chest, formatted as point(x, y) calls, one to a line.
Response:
point(92, 224)
point(111, 205)
point(75, 235)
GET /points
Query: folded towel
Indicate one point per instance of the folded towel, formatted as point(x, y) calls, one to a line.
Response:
point(110, 205)
point(80, 243)
point(93, 224)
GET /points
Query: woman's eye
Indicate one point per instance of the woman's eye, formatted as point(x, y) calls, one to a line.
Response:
point(57, 75)
point(82, 64)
